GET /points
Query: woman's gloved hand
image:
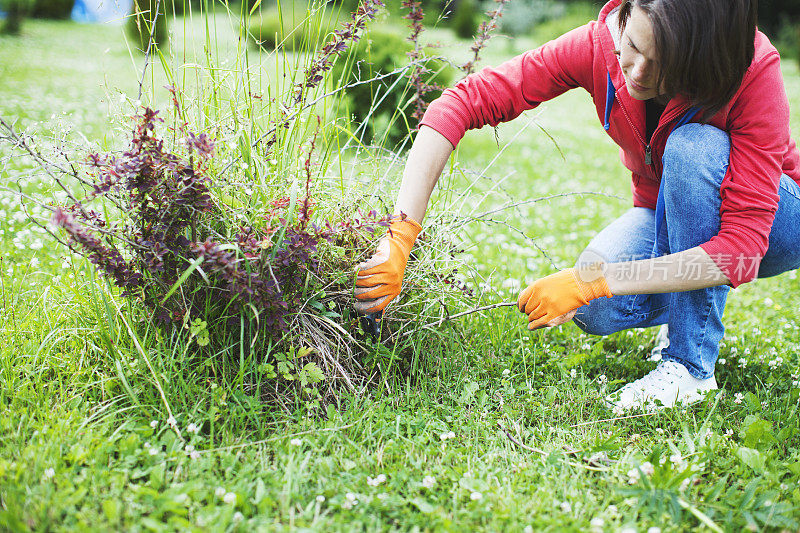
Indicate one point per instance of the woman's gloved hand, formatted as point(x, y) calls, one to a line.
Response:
point(380, 278)
point(553, 296)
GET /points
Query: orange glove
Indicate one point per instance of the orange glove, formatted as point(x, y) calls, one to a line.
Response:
point(381, 277)
point(552, 296)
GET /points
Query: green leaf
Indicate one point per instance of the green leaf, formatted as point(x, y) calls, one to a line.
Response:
point(311, 374)
point(111, 510)
point(468, 393)
point(157, 476)
point(752, 458)
point(423, 505)
point(186, 273)
point(752, 402)
point(757, 433)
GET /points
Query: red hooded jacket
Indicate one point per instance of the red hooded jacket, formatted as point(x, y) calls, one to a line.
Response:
point(756, 118)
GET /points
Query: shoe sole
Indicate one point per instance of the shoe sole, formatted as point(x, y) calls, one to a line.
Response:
point(683, 400)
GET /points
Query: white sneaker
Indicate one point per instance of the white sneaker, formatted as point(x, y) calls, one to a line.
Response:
point(662, 342)
point(666, 385)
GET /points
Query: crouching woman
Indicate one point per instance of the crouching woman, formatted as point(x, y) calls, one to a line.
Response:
point(693, 95)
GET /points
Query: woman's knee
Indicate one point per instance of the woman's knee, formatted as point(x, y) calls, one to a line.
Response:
point(596, 318)
point(695, 155)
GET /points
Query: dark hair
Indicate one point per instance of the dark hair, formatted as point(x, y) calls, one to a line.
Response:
point(704, 46)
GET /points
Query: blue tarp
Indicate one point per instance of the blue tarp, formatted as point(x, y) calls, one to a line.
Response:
point(107, 11)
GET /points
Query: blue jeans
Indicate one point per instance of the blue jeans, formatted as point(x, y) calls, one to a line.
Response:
point(695, 161)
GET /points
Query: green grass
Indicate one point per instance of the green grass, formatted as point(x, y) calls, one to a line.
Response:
point(84, 435)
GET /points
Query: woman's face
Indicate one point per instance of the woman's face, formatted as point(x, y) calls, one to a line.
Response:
point(638, 56)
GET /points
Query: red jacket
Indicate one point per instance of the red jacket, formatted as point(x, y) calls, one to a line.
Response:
point(756, 118)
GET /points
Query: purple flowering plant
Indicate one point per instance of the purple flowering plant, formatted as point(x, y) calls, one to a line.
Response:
point(171, 249)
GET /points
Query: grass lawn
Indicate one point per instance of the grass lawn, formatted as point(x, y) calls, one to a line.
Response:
point(493, 428)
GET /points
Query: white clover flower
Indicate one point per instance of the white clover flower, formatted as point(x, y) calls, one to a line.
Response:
point(597, 522)
point(229, 498)
point(153, 423)
point(738, 397)
point(428, 482)
point(676, 459)
point(565, 507)
point(172, 422)
point(742, 362)
point(612, 509)
point(602, 379)
point(146, 445)
point(633, 476)
point(475, 496)
point(573, 373)
point(219, 492)
point(152, 451)
point(194, 455)
point(192, 428)
point(237, 517)
point(685, 484)
point(377, 480)
point(654, 529)
point(320, 498)
point(647, 468)
point(189, 448)
point(506, 372)
point(49, 473)
point(528, 529)
point(296, 442)
point(660, 431)
point(728, 432)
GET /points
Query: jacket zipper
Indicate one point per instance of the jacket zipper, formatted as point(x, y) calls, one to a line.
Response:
point(648, 152)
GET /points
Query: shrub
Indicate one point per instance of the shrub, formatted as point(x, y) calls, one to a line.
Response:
point(172, 248)
point(140, 24)
point(52, 9)
point(465, 22)
point(383, 108)
point(16, 11)
point(293, 32)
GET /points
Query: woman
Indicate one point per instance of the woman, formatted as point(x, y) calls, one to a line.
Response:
point(693, 95)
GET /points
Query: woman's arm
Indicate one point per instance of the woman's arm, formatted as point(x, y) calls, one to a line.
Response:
point(552, 300)
point(426, 160)
point(683, 271)
point(380, 278)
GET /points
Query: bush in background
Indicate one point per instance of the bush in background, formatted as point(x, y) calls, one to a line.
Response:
point(293, 32)
point(521, 17)
point(140, 24)
point(465, 22)
point(52, 9)
point(383, 108)
point(16, 11)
